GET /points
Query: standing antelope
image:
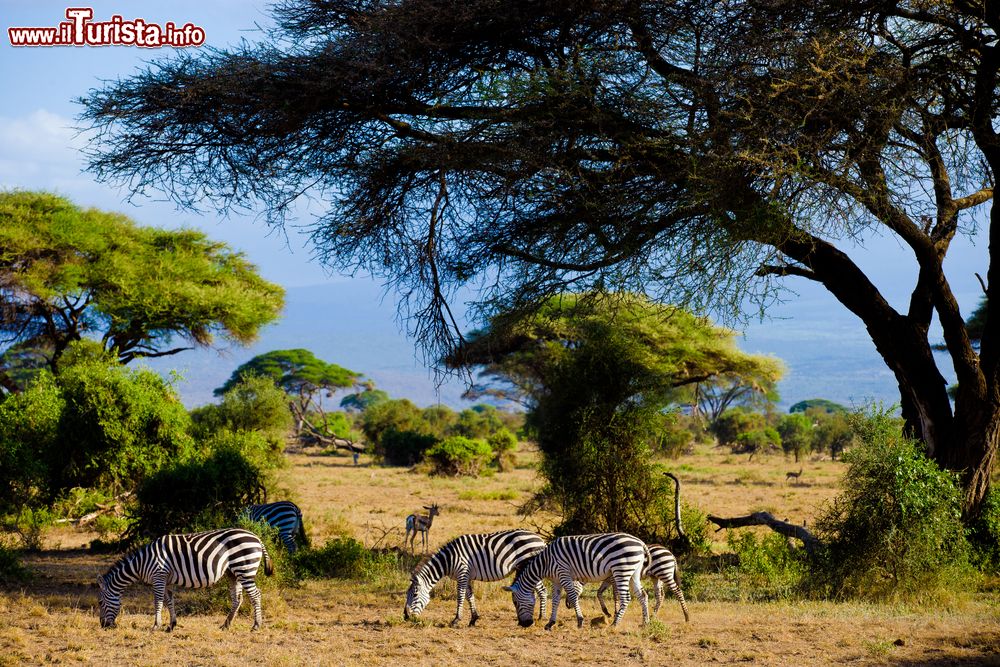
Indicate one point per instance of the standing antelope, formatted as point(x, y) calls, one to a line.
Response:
point(420, 523)
point(794, 476)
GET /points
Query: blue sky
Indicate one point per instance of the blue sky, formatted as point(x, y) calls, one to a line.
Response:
point(39, 149)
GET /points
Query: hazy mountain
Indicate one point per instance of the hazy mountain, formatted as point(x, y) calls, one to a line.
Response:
point(826, 350)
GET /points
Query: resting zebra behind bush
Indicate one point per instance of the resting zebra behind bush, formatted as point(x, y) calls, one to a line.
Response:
point(581, 558)
point(197, 560)
point(662, 568)
point(286, 517)
point(468, 558)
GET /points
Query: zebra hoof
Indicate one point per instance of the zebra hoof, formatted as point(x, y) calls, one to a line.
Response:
point(548, 626)
point(579, 622)
point(473, 620)
point(454, 622)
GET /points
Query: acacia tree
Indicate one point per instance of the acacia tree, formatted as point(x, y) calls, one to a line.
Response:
point(67, 273)
point(597, 373)
point(677, 148)
point(304, 377)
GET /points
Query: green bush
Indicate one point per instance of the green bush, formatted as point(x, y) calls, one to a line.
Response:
point(459, 455)
point(760, 440)
point(196, 494)
point(796, 434)
point(343, 557)
point(478, 423)
point(403, 448)
point(29, 524)
point(895, 530)
point(833, 433)
point(256, 447)
point(734, 422)
point(253, 403)
point(29, 428)
point(11, 569)
point(398, 432)
point(984, 535)
point(503, 443)
point(767, 568)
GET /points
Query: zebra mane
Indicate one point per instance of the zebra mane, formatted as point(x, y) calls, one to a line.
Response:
point(422, 563)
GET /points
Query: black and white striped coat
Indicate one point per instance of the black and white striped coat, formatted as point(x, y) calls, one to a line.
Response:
point(195, 560)
point(283, 515)
point(468, 558)
point(662, 569)
point(575, 559)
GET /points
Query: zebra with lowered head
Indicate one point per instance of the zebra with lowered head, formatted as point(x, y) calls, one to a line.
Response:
point(572, 560)
point(283, 515)
point(196, 560)
point(662, 568)
point(468, 558)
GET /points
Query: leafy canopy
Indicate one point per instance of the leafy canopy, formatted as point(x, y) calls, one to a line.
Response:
point(296, 371)
point(68, 273)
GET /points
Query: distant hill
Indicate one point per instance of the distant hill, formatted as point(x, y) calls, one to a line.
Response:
point(826, 350)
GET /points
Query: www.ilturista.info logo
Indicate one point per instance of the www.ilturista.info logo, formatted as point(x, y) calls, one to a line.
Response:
point(81, 30)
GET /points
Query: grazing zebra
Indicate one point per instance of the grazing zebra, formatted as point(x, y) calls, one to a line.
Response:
point(420, 523)
point(283, 515)
point(581, 558)
point(196, 560)
point(468, 558)
point(662, 568)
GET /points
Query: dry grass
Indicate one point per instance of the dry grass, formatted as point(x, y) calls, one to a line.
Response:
point(349, 623)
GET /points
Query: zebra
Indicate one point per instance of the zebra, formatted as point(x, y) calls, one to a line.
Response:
point(420, 523)
point(468, 558)
point(580, 558)
point(662, 568)
point(286, 517)
point(195, 560)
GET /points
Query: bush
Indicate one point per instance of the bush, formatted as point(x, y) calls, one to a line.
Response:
point(984, 535)
point(767, 568)
point(29, 524)
point(895, 530)
point(253, 445)
point(503, 443)
point(403, 448)
point(197, 494)
point(479, 422)
point(734, 422)
point(758, 440)
point(459, 455)
point(11, 569)
point(29, 428)
point(397, 432)
point(833, 433)
point(254, 403)
point(343, 557)
point(796, 434)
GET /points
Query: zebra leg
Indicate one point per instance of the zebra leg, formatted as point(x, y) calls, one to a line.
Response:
point(159, 586)
point(472, 607)
point(288, 539)
point(658, 591)
point(556, 596)
point(543, 595)
point(573, 590)
point(600, 596)
point(170, 606)
point(235, 599)
point(250, 586)
point(462, 579)
point(679, 594)
point(624, 597)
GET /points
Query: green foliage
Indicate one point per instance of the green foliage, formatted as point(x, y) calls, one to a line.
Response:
point(480, 422)
point(697, 530)
point(895, 530)
point(984, 535)
point(296, 371)
point(118, 426)
point(197, 494)
point(29, 524)
point(29, 427)
point(759, 440)
point(674, 437)
point(458, 455)
point(72, 271)
point(253, 404)
point(403, 448)
point(343, 557)
point(796, 433)
point(735, 422)
point(503, 443)
point(397, 432)
point(768, 568)
point(11, 569)
point(833, 434)
point(828, 406)
point(362, 400)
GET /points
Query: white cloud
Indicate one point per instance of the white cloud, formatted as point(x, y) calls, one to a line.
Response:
point(41, 150)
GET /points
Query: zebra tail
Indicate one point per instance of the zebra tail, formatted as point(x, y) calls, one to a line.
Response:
point(268, 563)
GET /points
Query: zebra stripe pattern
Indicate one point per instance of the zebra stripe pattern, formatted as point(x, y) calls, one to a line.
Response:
point(286, 517)
point(468, 558)
point(189, 561)
point(662, 568)
point(569, 561)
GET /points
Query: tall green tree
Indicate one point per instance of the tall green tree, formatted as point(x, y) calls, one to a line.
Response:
point(597, 373)
point(67, 273)
point(694, 150)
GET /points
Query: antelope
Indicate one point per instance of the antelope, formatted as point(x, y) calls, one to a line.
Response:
point(794, 476)
point(420, 523)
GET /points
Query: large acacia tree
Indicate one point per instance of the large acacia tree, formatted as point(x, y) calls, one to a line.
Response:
point(679, 148)
point(68, 273)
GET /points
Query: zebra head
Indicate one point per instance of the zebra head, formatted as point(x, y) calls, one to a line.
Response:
point(108, 603)
point(524, 600)
point(417, 596)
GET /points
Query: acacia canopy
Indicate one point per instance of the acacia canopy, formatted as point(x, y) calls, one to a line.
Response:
point(674, 148)
point(68, 273)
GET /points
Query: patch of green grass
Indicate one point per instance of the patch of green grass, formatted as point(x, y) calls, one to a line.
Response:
point(503, 494)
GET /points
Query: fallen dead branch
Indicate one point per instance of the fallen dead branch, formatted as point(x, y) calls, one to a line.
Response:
point(795, 531)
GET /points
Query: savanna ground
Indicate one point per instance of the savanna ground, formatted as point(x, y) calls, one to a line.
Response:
point(52, 617)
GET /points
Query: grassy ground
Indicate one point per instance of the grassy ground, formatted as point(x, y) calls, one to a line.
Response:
point(53, 618)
